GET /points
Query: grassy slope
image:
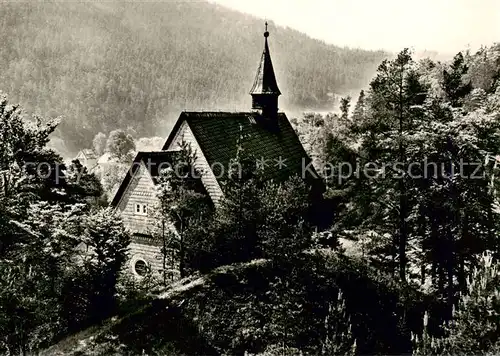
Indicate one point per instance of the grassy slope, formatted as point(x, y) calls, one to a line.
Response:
point(246, 307)
point(108, 65)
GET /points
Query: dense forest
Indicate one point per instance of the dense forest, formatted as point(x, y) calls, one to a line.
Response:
point(133, 66)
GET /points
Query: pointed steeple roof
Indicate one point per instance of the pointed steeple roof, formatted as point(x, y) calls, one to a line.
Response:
point(265, 80)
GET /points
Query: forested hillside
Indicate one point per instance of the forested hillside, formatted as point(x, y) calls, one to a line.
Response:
point(104, 66)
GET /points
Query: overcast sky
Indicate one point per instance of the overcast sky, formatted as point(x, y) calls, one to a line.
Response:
point(447, 26)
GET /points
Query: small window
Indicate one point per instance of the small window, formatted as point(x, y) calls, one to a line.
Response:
point(141, 268)
point(141, 209)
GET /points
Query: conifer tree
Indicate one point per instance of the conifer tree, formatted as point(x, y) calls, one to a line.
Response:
point(359, 109)
point(107, 243)
point(455, 85)
point(184, 203)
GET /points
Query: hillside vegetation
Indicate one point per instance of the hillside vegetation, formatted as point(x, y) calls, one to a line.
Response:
point(262, 307)
point(104, 66)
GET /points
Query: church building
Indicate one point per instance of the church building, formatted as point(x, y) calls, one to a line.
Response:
point(263, 131)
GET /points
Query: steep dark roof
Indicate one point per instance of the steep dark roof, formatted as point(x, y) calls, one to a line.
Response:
point(265, 80)
point(154, 162)
point(217, 134)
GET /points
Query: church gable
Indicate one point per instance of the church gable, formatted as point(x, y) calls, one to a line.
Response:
point(138, 201)
point(136, 198)
point(182, 132)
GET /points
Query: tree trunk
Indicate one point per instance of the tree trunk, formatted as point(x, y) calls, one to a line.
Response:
point(450, 268)
point(402, 191)
point(181, 250)
point(164, 253)
point(462, 253)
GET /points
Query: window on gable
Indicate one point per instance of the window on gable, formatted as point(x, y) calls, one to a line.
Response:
point(141, 209)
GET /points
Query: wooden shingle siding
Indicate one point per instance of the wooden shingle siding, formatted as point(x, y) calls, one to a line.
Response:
point(152, 255)
point(141, 190)
point(201, 164)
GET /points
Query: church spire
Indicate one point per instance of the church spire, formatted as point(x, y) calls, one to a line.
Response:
point(265, 90)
